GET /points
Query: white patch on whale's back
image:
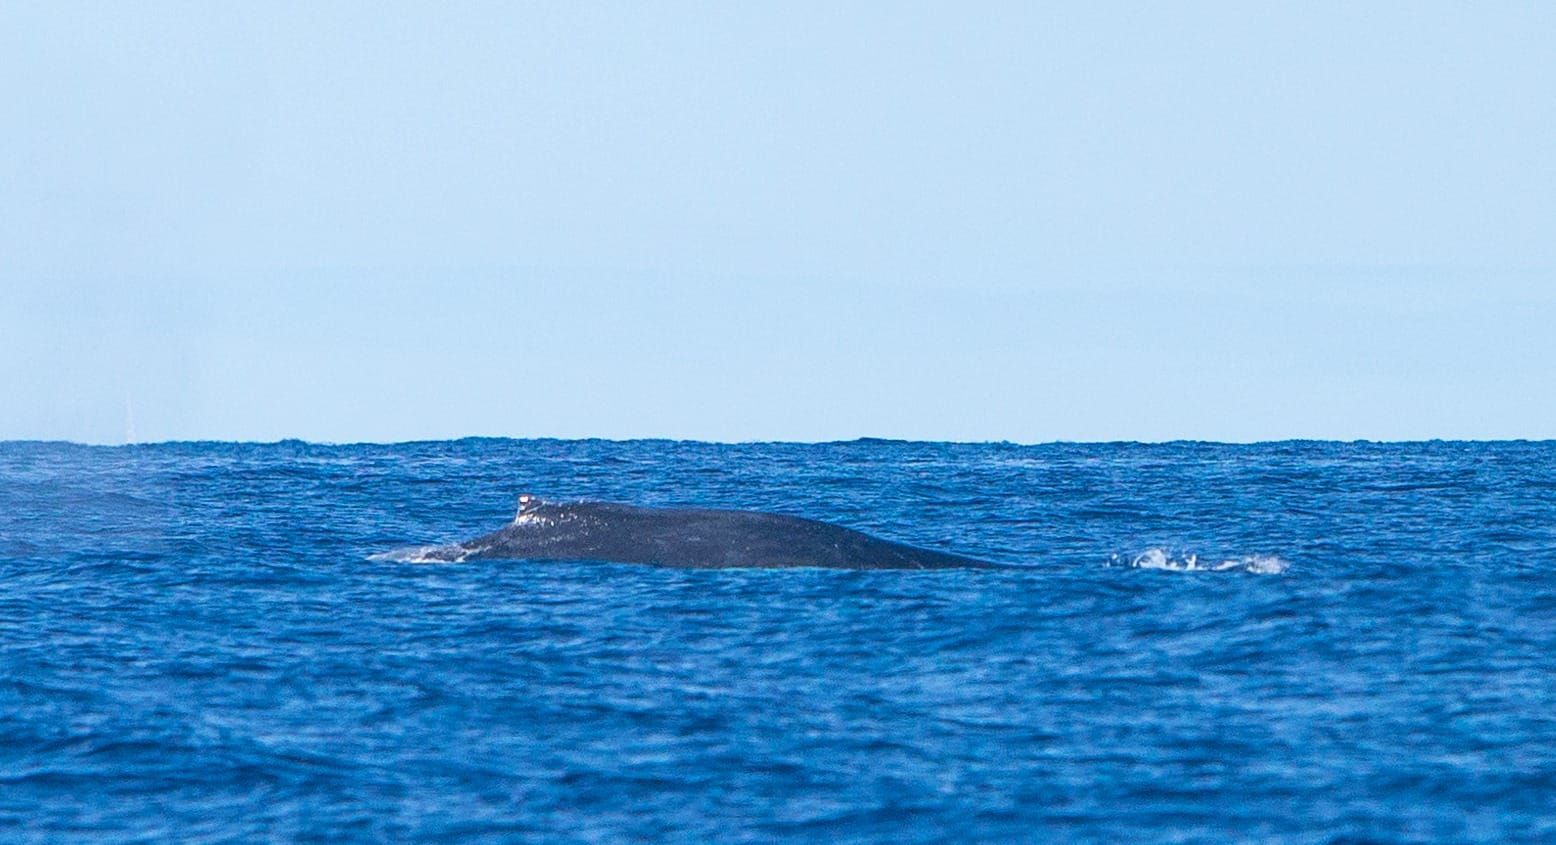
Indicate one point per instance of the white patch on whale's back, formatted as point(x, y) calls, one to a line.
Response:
point(534, 520)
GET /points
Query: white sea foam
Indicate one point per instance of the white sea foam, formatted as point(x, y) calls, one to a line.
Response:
point(1168, 560)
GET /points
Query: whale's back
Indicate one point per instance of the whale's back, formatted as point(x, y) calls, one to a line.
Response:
point(695, 538)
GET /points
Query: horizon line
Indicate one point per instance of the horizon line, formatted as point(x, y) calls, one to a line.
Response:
point(866, 439)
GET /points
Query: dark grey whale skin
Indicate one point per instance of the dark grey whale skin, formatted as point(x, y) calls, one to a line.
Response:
point(690, 538)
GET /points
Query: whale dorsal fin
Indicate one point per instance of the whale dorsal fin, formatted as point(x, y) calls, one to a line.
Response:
point(528, 502)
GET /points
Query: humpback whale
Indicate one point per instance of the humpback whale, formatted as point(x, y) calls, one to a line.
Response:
point(693, 538)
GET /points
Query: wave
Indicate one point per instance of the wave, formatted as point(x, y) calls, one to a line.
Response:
point(1171, 561)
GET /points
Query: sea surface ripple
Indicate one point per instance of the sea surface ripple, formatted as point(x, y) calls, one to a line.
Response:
point(1288, 642)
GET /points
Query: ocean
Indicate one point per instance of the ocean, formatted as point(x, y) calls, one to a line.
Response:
point(1283, 642)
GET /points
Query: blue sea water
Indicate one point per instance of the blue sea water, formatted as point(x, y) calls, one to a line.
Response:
point(1290, 642)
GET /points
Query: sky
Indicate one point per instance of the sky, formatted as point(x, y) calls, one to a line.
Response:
point(793, 221)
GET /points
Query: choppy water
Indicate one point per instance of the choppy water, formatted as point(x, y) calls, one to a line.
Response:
point(1289, 642)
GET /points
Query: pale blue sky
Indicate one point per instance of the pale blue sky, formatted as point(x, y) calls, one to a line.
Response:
point(735, 221)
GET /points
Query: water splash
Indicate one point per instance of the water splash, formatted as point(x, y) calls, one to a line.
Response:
point(422, 554)
point(1171, 561)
